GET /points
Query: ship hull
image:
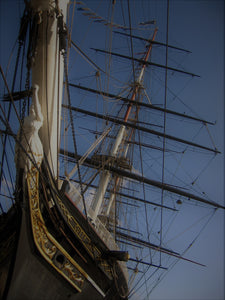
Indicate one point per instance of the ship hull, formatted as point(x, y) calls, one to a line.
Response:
point(33, 279)
point(50, 265)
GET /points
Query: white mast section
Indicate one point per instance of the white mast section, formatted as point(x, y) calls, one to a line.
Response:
point(104, 179)
point(106, 175)
point(47, 73)
point(83, 158)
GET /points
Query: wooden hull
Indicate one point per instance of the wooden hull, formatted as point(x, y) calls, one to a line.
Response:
point(33, 279)
point(55, 263)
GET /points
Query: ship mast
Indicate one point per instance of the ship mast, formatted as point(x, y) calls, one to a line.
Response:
point(105, 176)
point(47, 72)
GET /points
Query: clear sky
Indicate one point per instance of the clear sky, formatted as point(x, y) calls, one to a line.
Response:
point(198, 26)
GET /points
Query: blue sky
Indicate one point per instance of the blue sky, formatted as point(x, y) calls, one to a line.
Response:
point(199, 27)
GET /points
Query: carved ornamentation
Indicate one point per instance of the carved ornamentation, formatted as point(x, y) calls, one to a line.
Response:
point(48, 247)
point(80, 233)
point(85, 240)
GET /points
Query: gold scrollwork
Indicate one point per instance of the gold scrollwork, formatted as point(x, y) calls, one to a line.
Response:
point(73, 275)
point(85, 240)
point(45, 242)
point(80, 233)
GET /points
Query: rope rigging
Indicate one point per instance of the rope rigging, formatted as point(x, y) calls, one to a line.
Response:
point(164, 126)
point(149, 221)
point(74, 143)
point(21, 40)
point(172, 265)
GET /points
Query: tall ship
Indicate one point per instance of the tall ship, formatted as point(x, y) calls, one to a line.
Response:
point(101, 160)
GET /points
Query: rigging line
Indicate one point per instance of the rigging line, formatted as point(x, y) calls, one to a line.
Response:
point(6, 123)
point(78, 49)
point(137, 224)
point(8, 128)
point(179, 164)
point(131, 41)
point(65, 136)
point(58, 118)
point(146, 95)
point(189, 227)
point(15, 109)
point(83, 40)
point(129, 244)
point(144, 201)
point(92, 185)
point(145, 282)
point(132, 277)
point(9, 109)
point(46, 86)
point(194, 181)
point(177, 97)
point(1, 203)
point(151, 182)
point(141, 104)
point(8, 167)
point(9, 191)
point(71, 24)
point(203, 227)
point(26, 99)
point(203, 170)
point(156, 247)
point(140, 280)
point(1, 206)
point(82, 99)
point(98, 83)
point(75, 146)
point(197, 133)
point(210, 136)
point(162, 276)
point(139, 127)
point(122, 11)
point(144, 193)
point(21, 78)
point(110, 44)
point(92, 147)
point(148, 63)
point(170, 223)
point(144, 274)
point(164, 127)
point(157, 280)
point(153, 42)
point(11, 55)
point(73, 130)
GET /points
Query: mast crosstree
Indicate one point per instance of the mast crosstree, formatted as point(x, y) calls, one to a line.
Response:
point(106, 175)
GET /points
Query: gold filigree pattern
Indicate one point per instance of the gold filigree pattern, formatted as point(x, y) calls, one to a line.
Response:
point(72, 275)
point(85, 240)
point(80, 233)
point(49, 248)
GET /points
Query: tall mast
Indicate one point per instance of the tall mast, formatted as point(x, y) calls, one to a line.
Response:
point(47, 72)
point(105, 176)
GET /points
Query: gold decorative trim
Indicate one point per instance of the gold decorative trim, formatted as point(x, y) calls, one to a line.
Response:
point(80, 233)
point(94, 252)
point(49, 248)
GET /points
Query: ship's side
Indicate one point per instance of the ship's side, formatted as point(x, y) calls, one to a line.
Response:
point(59, 255)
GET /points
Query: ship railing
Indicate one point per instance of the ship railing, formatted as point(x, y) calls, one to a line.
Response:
point(108, 239)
